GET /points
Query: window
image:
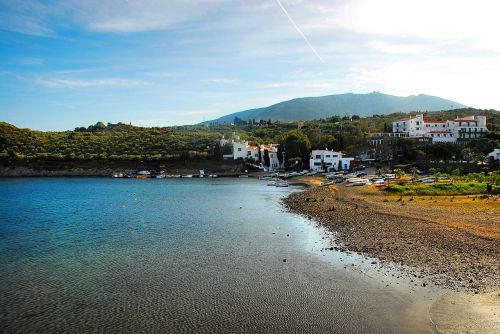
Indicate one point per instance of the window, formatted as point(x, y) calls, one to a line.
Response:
point(327, 156)
point(317, 164)
point(318, 156)
point(239, 149)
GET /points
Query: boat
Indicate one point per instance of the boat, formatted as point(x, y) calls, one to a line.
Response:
point(160, 176)
point(243, 175)
point(213, 175)
point(265, 177)
point(355, 179)
point(328, 182)
point(272, 182)
point(117, 175)
point(187, 175)
point(359, 183)
point(281, 183)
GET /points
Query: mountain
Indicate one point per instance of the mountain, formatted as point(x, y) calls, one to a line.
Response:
point(308, 108)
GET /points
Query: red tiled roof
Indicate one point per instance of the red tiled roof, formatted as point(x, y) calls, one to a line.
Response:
point(464, 120)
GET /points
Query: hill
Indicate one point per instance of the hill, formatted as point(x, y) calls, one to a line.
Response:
point(309, 108)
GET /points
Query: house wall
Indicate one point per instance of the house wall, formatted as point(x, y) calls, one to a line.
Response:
point(469, 127)
point(330, 159)
point(239, 150)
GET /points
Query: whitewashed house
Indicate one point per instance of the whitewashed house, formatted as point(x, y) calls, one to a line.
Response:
point(469, 127)
point(328, 161)
point(243, 150)
point(274, 162)
point(495, 155)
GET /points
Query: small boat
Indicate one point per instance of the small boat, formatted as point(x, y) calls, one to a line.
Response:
point(328, 183)
point(160, 176)
point(265, 177)
point(117, 175)
point(188, 175)
point(213, 175)
point(272, 182)
point(243, 175)
point(359, 183)
point(281, 183)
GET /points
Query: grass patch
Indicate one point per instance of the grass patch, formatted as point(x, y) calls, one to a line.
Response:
point(441, 189)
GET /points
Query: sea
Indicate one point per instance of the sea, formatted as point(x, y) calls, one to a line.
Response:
point(102, 255)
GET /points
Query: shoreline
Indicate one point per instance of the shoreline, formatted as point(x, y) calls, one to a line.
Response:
point(106, 168)
point(433, 249)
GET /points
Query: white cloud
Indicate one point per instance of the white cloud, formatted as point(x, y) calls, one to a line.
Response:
point(469, 81)
point(399, 48)
point(117, 16)
point(71, 83)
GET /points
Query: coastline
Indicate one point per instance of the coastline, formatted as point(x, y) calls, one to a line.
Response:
point(456, 249)
point(105, 168)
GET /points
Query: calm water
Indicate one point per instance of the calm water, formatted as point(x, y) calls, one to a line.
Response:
point(106, 255)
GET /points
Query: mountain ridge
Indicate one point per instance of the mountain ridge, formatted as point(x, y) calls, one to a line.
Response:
point(308, 108)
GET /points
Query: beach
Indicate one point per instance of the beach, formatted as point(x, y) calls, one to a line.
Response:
point(450, 242)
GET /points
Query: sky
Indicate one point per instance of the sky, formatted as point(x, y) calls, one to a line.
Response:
point(65, 64)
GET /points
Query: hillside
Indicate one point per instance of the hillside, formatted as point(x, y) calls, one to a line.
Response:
point(309, 108)
point(123, 142)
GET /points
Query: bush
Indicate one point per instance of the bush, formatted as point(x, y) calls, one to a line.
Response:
point(441, 189)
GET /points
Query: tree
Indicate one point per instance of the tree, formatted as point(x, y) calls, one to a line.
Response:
point(399, 173)
point(296, 144)
point(217, 151)
point(414, 172)
point(280, 154)
point(295, 163)
point(267, 160)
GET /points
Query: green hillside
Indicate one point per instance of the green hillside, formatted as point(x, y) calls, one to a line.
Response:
point(310, 108)
point(126, 142)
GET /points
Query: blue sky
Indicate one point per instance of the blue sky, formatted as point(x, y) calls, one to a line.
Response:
point(72, 63)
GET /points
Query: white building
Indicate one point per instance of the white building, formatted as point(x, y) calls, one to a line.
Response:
point(325, 160)
point(243, 150)
point(274, 162)
point(469, 127)
point(495, 155)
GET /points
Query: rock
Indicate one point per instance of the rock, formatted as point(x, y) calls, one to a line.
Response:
point(284, 260)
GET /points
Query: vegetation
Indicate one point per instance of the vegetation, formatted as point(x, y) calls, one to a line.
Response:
point(126, 142)
point(439, 189)
point(310, 108)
